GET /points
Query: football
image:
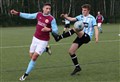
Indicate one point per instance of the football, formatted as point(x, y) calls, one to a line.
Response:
point(78, 26)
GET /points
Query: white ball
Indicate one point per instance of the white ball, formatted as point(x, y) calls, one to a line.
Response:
point(78, 26)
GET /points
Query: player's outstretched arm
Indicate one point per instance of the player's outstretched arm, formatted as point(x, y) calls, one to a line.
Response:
point(68, 18)
point(28, 16)
point(24, 15)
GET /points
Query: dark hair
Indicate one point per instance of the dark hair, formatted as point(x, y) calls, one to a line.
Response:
point(88, 6)
point(47, 4)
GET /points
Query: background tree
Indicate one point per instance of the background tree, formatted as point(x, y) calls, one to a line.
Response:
point(109, 8)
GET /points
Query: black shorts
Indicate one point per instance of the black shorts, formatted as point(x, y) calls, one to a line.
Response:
point(67, 25)
point(83, 40)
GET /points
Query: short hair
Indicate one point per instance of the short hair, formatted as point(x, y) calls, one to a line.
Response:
point(47, 4)
point(99, 11)
point(88, 6)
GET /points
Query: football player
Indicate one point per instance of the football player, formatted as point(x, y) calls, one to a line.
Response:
point(84, 36)
point(46, 23)
point(100, 20)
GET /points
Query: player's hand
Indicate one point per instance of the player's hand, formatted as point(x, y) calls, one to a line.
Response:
point(46, 29)
point(14, 12)
point(62, 15)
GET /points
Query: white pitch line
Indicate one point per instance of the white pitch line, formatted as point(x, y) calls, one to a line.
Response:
point(118, 34)
point(4, 47)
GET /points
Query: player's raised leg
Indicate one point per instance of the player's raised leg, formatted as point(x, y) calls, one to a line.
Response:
point(70, 33)
point(64, 30)
point(65, 35)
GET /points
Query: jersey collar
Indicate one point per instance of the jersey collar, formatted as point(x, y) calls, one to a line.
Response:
point(46, 15)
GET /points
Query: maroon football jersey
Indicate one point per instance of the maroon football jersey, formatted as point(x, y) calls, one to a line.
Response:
point(99, 19)
point(43, 21)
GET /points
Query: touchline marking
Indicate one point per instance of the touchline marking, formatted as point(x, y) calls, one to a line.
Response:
point(4, 47)
point(63, 66)
point(118, 34)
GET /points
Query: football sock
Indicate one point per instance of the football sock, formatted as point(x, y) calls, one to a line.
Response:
point(56, 36)
point(25, 74)
point(46, 50)
point(63, 32)
point(74, 60)
point(64, 35)
point(30, 67)
point(67, 34)
point(100, 29)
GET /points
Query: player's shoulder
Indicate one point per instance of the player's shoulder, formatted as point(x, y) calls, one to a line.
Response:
point(52, 16)
point(80, 15)
point(39, 12)
point(47, 16)
point(91, 16)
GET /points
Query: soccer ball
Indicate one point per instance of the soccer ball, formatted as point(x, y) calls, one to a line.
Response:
point(78, 26)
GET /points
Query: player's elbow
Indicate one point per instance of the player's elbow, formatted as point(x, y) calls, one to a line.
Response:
point(55, 31)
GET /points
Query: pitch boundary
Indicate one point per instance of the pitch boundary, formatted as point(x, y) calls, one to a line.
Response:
point(4, 47)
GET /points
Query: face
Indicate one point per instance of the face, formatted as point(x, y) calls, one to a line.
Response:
point(98, 13)
point(85, 11)
point(46, 10)
point(66, 14)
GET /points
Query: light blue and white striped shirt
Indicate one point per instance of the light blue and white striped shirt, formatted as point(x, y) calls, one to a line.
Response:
point(89, 22)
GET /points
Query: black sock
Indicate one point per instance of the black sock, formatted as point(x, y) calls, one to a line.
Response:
point(63, 32)
point(46, 49)
point(67, 34)
point(56, 36)
point(74, 60)
point(25, 74)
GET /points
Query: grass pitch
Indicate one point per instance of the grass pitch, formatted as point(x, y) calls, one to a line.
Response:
point(100, 62)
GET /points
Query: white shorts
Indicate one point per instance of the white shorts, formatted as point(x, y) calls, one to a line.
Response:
point(38, 46)
point(99, 24)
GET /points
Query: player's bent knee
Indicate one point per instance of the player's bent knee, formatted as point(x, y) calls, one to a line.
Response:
point(35, 56)
point(71, 52)
point(31, 54)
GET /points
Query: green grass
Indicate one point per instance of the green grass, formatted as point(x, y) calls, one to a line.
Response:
point(100, 62)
